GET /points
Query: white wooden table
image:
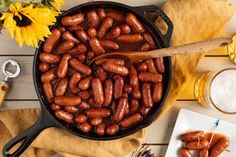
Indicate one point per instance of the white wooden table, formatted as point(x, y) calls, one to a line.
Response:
point(23, 94)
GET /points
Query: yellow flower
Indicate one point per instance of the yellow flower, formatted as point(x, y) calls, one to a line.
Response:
point(28, 24)
point(56, 4)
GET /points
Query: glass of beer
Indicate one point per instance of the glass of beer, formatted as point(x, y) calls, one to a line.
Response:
point(217, 90)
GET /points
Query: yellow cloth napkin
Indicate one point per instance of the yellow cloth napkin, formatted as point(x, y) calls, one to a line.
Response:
point(193, 20)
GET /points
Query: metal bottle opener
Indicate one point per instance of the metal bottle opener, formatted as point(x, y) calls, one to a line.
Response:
point(6, 83)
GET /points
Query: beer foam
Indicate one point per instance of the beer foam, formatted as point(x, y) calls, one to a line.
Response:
point(223, 90)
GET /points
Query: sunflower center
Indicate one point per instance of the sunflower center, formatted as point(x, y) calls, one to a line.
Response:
point(25, 21)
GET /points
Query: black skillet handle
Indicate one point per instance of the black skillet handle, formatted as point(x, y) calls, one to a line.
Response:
point(28, 136)
point(155, 9)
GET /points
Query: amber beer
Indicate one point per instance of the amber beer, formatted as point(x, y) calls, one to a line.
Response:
point(217, 89)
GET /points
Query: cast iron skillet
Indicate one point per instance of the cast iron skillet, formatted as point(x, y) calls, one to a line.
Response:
point(47, 118)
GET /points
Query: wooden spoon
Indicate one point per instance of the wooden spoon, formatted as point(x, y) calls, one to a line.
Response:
point(191, 48)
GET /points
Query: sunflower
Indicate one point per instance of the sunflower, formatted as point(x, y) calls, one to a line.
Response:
point(28, 24)
point(56, 4)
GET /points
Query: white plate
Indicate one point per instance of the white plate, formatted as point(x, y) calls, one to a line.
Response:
point(189, 120)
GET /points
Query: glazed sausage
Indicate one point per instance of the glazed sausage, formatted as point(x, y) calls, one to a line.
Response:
point(64, 47)
point(144, 110)
point(51, 40)
point(96, 121)
point(85, 127)
point(115, 68)
point(85, 95)
point(68, 36)
point(149, 39)
point(114, 33)
point(108, 92)
point(49, 58)
point(133, 22)
point(145, 47)
point(100, 129)
point(73, 83)
point(63, 66)
point(80, 66)
point(93, 19)
point(197, 145)
point(127, 122)
point(146, 95)
point(108, 44)
point(112, 129)
point(151, 65)
point(98, 91)
point(67, 100)
point(142, 66)
point(192, 136)
point(92, 102)
point(136, 92)
point(106, 24)
point(81, 58)
point(115, 61)
point(101, 74)
point(219, 147)
point(62, 29)
point(71, 109)
point(47, 88)
point(128, 88)
point(84, 105)
point(81, 118)
point(159, 64)
point(184, 152)
point(203, 153)
point(150, 77)
point(85, 83)
point(79, 49)
point(90, 55)
point(96, 46)
point(133, 76)
point(92, 32)
point(134, 105)
point(101, 13)
point(61, 87)
point(74, 28)
point(72, 20)
point(120, 110)
point(49, 75)
point(55, 107)
point(125, 29)
point(118, 87)
point(157, 92)
point(65, 116)
point(82, 35)
point(127, 110)
point(98, 112)
point(130, 38)
point(116, 15)
point(43, 67)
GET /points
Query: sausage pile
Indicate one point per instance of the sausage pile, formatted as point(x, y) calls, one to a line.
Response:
point(197, 141)
point(107, 96)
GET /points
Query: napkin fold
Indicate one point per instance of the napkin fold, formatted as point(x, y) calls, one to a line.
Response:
point(193, 20)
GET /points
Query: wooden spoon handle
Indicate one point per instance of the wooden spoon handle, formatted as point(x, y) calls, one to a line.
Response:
point(191, 48)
